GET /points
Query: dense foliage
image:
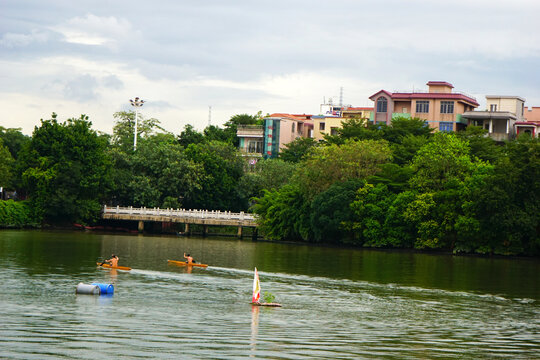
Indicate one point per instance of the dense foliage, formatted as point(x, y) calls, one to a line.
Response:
point(372, 185)
point(17, 214)
point(408, 188)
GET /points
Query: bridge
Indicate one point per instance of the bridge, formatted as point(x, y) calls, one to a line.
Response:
point(186, 217)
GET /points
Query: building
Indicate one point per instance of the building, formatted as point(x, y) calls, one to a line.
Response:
point(281, 129)
point(323, 125)
point(532, 114)
point(251, 142)
point(440, 107)
point(500, 116)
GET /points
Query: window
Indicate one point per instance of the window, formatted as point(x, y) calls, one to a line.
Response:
point(446, 126)
point(321, 126)
point(422, 106)
point(447, 107)
point(493, 107)
point(333, 131)
point(292, 128)
point(382, 105)
point(254, 147)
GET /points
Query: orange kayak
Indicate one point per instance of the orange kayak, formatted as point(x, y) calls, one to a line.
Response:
point(108, 266)
point(183, 263)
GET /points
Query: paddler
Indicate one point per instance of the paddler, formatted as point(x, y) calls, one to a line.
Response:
point(188, 258)
point(113, 260)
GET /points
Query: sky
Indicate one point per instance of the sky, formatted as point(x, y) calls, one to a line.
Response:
point(201, 61)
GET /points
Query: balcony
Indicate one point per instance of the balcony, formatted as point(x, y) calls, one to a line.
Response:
point(250, 131)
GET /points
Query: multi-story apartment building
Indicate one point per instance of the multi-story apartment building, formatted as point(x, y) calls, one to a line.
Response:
point(500, 117)
point(281, 129)
point(440, 107)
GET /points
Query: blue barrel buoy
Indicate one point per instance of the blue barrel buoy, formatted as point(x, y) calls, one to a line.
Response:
point(106, 289)
point(87, 289)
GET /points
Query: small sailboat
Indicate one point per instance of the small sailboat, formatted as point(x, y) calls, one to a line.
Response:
point(256, 297)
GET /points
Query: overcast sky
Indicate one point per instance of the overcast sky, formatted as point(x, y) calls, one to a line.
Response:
point(242, 56)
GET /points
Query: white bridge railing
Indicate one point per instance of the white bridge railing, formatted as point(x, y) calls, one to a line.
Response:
point(201, 214)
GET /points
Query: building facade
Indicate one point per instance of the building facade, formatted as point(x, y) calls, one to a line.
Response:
point(281, 129)
point(500, 116)
point(440, 107)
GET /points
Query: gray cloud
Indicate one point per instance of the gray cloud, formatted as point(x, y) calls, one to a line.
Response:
point(172, 49)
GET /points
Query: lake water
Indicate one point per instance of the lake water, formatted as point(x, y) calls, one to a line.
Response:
point(337, 303)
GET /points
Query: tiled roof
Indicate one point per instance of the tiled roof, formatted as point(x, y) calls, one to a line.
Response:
point(440, 83)
point(406, 96)
point(291, 116)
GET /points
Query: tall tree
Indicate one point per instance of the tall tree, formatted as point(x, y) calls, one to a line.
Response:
point(222, 169)
point(6, 166)
point(124, 129)
point(13, 139)
point(67, 170)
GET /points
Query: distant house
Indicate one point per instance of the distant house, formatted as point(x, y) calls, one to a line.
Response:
point(440, 107)
point(500, 117)
point(251, 142)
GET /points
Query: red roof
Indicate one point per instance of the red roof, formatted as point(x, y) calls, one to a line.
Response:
point(291, 116)
point(439, 83)
point(419, 95)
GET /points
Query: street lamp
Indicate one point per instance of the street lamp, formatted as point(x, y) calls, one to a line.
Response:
point(137, 103)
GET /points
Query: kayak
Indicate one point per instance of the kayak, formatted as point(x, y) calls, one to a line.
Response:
point(183, 263)
point(108, 266)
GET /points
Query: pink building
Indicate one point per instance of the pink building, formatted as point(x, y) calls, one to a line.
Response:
point(440, 107)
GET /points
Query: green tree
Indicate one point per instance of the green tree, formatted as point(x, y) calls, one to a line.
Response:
point(269, 174)
point(222, 169)
point(13, 139)
point(481, 146)
point(284, 214)
point(124, 129)
point(297, 150)
point(67, 170)
point(190, 136)
point(508, 203)
point(331, 211)
point(158, 174)
point(6, 166)
point(338, 163)
point(444, 175)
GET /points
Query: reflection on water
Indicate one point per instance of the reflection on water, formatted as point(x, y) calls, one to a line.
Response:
point(365, 304)
point(254, 329)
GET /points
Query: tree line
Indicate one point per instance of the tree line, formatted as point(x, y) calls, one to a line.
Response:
point(371, 185)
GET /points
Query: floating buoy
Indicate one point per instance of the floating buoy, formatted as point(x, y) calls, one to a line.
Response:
point(106, 289)
point(88, 289)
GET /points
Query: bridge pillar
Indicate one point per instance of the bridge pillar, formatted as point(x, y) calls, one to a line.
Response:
point(205, 230)
point(186, 228)
point(141, 226)
point(254, 234)
point(239, 234)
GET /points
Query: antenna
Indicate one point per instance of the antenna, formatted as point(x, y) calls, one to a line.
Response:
point(341, 96)
point(209, 115)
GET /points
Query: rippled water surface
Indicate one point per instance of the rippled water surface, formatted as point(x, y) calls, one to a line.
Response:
point(337, 303)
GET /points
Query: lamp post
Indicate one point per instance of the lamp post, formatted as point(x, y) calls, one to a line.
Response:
point(137, 103)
